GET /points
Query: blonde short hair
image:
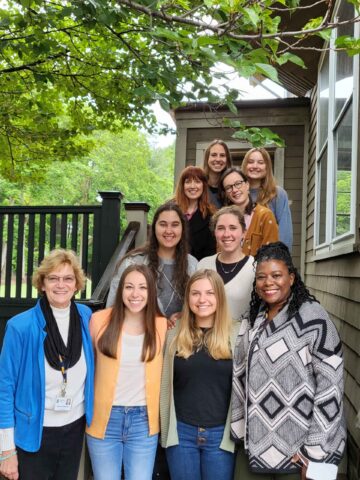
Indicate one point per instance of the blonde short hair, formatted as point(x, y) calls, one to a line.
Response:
point(53, 261)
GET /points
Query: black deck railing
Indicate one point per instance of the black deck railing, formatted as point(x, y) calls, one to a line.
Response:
point(27, 234)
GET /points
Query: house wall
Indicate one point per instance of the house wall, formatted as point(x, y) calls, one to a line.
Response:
point(288, 119)
point(335, 282)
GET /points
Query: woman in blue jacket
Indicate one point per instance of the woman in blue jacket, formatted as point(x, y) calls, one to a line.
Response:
point(257, 167)
point(46, 377)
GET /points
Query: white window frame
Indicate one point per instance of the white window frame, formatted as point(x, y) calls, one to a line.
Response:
point(346, 242)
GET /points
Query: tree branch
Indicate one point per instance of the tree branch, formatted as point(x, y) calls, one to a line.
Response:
point(29, 66)
point(220, 30)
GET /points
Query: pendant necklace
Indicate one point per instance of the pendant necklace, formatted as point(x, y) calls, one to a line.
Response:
point(226, 272)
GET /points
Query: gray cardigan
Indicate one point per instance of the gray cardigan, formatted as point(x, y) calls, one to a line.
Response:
point(139, 259)
point(168, 428)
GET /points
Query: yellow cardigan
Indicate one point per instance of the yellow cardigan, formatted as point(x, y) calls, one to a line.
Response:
point(263, 229)
point(106, 374)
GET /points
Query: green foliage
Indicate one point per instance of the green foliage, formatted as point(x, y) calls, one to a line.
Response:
point(257, 137)
point(343, 201)
point(70, 68)
point(124, 162)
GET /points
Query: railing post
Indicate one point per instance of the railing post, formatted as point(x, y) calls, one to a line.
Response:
point(109, 232)
point(137, 212)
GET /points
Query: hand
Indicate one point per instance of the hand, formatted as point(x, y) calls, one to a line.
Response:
point(301, 461)
point(9, 467)
point(171, 321)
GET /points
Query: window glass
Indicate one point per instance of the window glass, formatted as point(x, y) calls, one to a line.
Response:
point(323, 101)
point(344, 63)
point(322, 165)
point(343, 139)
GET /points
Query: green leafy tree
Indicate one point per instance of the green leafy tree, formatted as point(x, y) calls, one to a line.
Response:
point(70, 68)
point(124, 161)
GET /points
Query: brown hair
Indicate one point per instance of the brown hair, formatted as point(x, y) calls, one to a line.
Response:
point(223, 196)
point(267, 190)
point(108, 341)
point(181, 199)
point(151, 249)
point(230, 209)
point(207, 155)
point(190, 337)
point(55, 259)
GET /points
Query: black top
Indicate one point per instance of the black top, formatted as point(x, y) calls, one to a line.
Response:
point(214, 197)
point(228, 271)
point(202, 240)
point(202, 389)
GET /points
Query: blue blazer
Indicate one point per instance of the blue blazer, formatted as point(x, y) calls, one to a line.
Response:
point(22, 375)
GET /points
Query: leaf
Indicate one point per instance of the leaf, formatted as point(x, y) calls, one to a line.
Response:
point(291, 57)
point(253, 16)
point(268, 70)
point(165, 105)
point(232, 107)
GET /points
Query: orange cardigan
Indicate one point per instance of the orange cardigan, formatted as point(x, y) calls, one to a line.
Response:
point(263, 229)
point(106, 374)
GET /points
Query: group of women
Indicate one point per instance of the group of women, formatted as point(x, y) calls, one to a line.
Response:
point(230, 359)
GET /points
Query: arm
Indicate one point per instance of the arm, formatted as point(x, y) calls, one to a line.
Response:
point(283, 217)
point(270, 231)
point(9, 368)
point(327, 432)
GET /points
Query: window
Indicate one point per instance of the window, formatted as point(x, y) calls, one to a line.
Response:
point(338, 111)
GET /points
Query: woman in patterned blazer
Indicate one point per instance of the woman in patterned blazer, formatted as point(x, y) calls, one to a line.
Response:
point(287, 406)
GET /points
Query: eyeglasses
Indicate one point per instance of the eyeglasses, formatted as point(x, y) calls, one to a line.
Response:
point(237, 185)
point(68, 280)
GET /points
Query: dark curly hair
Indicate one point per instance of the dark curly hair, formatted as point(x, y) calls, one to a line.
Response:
point(299, 293)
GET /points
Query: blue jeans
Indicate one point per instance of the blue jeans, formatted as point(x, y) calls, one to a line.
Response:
point(126, 441)
point(198, 455)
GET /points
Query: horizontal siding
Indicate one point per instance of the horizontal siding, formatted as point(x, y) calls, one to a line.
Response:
point(336, 284)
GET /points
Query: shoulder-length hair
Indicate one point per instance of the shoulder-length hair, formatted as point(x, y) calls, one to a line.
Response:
point(190, 173)
point(55, 259)
point(108, 341)
point(190, 337)
point(222, 192)
point(267, 190)
point(150, 249)
point(207, 155)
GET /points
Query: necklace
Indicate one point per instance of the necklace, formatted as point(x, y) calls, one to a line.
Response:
point(231, 270)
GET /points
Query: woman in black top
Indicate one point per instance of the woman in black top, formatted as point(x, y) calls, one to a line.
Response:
point(192, 197)
point(196, 384)
point(217, 159)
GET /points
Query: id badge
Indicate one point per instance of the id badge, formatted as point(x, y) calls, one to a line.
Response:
point(63, 404)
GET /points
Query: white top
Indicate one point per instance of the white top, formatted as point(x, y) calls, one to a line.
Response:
point(53, 381)
point(130, 386)
point(238, 289)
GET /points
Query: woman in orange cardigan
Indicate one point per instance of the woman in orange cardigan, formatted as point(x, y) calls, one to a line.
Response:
point(128, 340)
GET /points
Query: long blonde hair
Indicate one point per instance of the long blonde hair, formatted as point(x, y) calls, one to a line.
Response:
point(191, 338)
point(267, 190)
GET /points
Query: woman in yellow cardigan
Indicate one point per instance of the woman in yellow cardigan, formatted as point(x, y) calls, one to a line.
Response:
point(128, 340)
point(260, 222)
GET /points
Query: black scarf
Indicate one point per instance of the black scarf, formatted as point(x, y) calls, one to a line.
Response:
point(54, 344)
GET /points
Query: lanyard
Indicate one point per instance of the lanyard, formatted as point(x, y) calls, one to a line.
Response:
point(64, 375)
